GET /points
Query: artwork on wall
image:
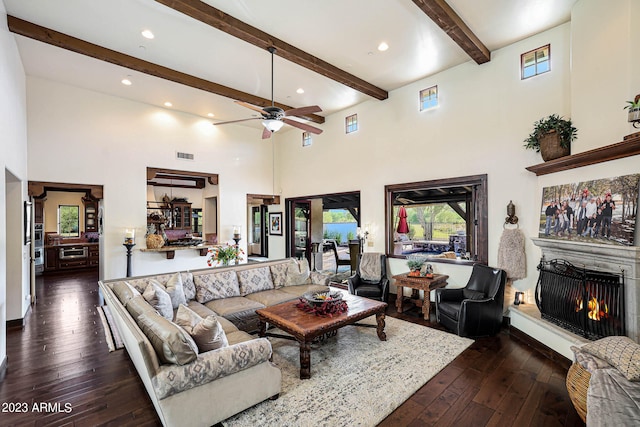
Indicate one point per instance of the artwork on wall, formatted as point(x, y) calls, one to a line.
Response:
point(275, 223)
point(594, 211)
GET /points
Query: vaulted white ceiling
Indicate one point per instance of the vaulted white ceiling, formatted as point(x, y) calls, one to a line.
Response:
point(344, 33)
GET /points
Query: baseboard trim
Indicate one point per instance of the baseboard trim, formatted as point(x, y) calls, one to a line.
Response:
point(3, 369)
point(18, 323)
point(541, 348)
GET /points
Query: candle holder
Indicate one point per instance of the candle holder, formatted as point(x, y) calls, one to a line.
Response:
point(129, 236)
point(519, 299)
point(129, 246)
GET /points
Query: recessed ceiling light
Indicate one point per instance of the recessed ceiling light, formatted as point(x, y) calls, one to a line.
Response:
point(210, 114)
point(147, 34)
point(300, 90)
point(168, 104)
point(126, 82)
point(383, 46)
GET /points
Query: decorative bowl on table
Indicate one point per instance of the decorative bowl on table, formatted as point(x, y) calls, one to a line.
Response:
point(319, 298)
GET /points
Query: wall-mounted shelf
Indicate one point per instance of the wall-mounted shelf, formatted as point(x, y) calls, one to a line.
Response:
point(627, 148)
point(170, 251)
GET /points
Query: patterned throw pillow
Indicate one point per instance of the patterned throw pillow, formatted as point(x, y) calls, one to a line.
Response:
point(207, 333)
point(157, 296)
point(216, 286)
point(279, 273)
point(255, 280)
point(620, 352)
point(175, 290)
point(188, 286)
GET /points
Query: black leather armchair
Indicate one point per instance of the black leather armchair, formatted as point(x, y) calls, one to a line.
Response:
point(475, 310)
point(376, 289)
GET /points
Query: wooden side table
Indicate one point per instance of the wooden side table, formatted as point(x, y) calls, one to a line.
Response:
point(418, 284)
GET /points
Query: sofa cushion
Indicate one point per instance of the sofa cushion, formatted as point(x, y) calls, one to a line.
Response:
point(188, 286)
point(137, 306)
point(141, 283)
point(157, 296)
point(300, 290)
point(171, 343)
point(271, 297)
point(204, 311)
point(620, 352)
point(175, 289)
point(254, 280)
point(233, 305)
point(206, 332)
point(214, 286)
point(124, 291)
point(237, 336)
point(279, 273)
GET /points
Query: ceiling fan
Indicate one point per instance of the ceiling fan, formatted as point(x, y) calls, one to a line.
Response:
point(273, 118)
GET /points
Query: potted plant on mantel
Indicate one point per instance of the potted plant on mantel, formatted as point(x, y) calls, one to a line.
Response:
point(634, 111)
point(552, 137)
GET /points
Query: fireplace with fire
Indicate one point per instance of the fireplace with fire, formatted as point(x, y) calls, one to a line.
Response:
point(586, 302)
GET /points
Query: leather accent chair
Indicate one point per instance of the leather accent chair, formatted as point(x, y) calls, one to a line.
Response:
point(377, 289)
point(475, 310)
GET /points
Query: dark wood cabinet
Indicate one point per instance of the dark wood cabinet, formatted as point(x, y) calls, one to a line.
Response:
point(94, 256)
point(181, 216)
point(90, 215)
point(51, 259)
point(38, 211)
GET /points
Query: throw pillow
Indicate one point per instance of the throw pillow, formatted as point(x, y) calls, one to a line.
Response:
point(216, 286)
point(620, 352)
point(138, 305)
point(254, 280)
point(189, 286)
point(175, 290)
point(279, 273)
point(207, 333)
point(172, 343)
point(298, 273)
point(471, 294)
point(124, 291)
point(157, 296)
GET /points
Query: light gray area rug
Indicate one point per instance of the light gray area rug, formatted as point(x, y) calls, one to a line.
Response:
point(356, 379)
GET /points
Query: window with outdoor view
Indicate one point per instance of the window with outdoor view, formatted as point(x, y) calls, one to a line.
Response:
point(443, 219)
point(69, 220)
point(535, 62)
point(428, 98)
point(351, 123)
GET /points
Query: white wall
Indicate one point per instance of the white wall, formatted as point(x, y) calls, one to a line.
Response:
point(14, 277)
point(485, 113)
point(73, 139)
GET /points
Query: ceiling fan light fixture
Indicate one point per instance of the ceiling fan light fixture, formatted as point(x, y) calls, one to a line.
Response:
point(272, 125)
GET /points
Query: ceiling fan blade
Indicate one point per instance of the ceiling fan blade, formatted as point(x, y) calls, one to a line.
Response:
point(303, 126)
point(302, 111)
point(236, 121)
point(251, 107)
point(266, 133)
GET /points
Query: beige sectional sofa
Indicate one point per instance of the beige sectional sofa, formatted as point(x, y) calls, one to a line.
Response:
point(201, 388)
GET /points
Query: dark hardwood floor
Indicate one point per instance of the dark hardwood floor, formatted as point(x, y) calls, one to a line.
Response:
point(61, 358)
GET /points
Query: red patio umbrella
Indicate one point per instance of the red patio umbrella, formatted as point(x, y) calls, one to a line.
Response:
point(403, 227)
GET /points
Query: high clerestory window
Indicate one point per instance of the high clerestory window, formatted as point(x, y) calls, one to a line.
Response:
point(444, 220)
point(351, 123)
point(306, 139)
point(428, 98)
point(535, 62)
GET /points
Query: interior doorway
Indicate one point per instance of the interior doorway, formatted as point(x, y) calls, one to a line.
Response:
point(300, 236)
point(258, 223)
point(17, 272)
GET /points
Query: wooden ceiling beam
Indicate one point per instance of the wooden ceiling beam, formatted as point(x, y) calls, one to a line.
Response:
point(451, 23)
point(230, 25)
point(64, 41)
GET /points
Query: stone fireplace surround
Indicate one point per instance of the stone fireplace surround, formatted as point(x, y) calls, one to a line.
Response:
point(602, 257)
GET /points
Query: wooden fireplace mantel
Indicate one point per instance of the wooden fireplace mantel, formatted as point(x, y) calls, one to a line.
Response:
point(627, 148)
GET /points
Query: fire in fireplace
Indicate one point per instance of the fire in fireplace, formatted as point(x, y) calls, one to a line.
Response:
point(561, 293)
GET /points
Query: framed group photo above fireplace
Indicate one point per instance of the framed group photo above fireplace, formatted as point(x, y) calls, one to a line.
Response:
point(596, 211)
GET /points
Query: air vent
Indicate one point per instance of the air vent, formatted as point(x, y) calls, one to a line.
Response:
point(184, 156)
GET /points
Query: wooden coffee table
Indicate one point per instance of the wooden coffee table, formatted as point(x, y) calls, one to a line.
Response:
point(416, 284)
point(305, 327)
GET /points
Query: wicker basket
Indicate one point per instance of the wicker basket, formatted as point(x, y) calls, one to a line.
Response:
point(154, 241)
point(577, 385)
point(550, 147)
